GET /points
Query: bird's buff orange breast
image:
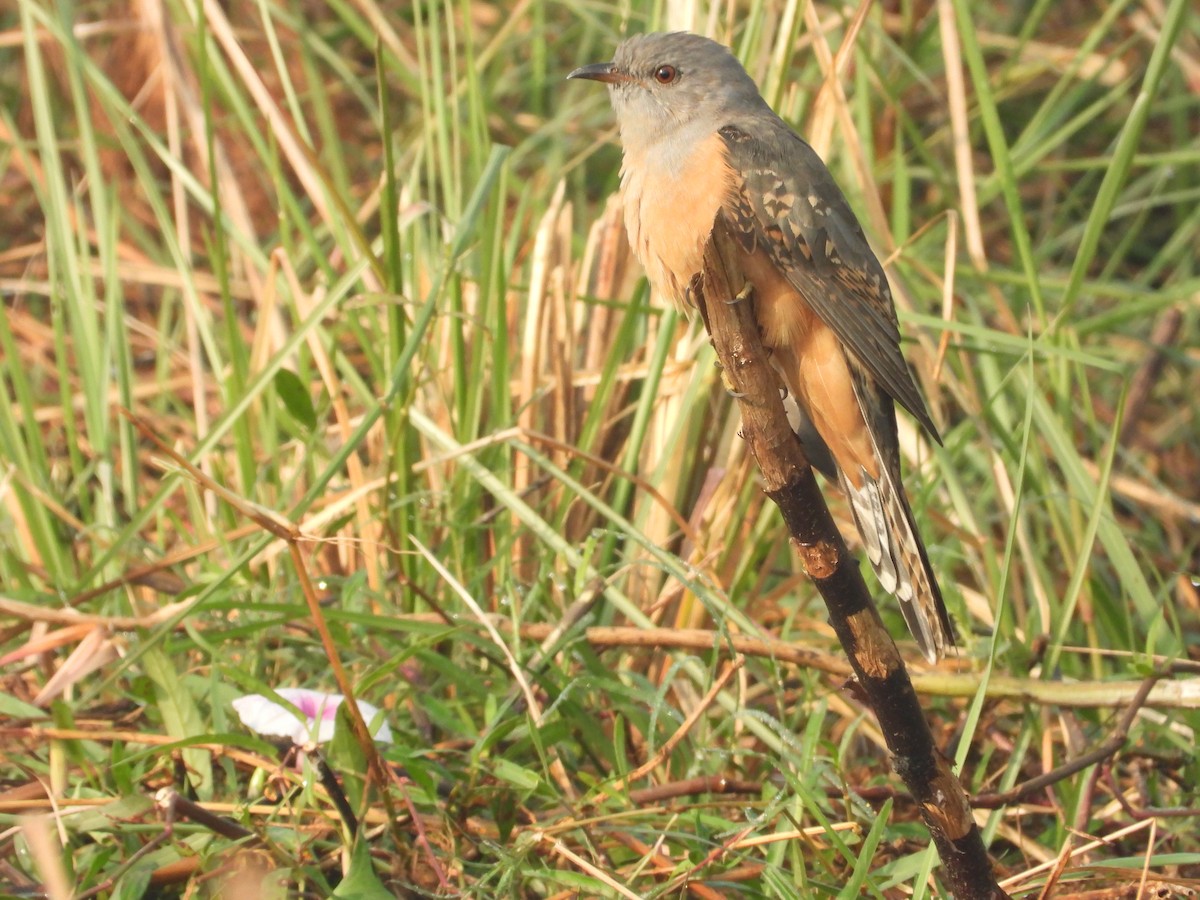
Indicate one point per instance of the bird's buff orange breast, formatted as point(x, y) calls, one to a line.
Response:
point(671, 203)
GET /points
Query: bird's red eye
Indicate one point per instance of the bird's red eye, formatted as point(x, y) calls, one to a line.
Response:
point(665, 74)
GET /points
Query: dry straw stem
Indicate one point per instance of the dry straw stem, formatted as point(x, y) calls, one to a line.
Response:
point(1181, 694)
point(878, 667)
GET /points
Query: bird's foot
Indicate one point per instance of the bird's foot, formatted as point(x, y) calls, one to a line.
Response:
point(735, 394)
point(745, 293)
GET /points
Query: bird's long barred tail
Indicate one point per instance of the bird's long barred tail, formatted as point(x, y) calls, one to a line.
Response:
point(893, 545)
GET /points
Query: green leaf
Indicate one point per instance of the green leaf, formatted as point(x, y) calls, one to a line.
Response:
point(518, 776)
point(294, 394)
point(361, 882)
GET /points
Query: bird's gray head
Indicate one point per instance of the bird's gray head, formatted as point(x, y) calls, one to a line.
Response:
point(660, 83)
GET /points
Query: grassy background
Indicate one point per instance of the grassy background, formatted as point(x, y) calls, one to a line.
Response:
point(360, 266)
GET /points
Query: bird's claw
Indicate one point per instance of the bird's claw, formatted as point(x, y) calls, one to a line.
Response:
point(745, 293)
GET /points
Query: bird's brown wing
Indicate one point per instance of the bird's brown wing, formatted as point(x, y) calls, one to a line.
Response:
point(788, 204)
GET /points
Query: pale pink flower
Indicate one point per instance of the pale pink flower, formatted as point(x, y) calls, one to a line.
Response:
point(267, 717)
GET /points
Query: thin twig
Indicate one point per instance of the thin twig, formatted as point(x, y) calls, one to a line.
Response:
point(680, 733)
point(1111, 745)
point(1163, 335)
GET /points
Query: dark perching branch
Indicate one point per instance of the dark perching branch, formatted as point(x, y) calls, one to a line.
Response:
point(878, 667)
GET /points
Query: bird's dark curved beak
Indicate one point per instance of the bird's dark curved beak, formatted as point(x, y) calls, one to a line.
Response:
point(606, 72)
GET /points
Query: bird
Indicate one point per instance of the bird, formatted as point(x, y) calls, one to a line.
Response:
point(700, 144)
